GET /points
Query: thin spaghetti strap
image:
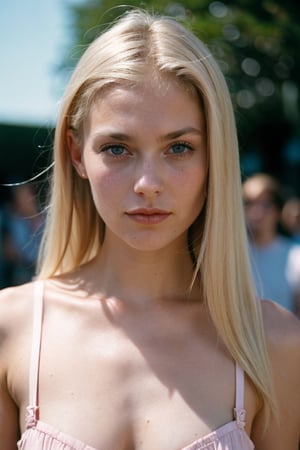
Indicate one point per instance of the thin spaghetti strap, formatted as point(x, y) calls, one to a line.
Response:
point(239, 387)
point(239, 411)
point(32, 409)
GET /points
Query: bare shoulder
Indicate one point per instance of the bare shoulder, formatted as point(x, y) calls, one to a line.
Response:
point(282, 330)
point(15, 320)
point(15, 304)
point(15, 315)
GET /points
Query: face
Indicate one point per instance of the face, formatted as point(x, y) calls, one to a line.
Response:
point(144, 155)
point(261, 213)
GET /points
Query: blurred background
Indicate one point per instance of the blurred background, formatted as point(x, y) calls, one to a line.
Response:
point(256, 43)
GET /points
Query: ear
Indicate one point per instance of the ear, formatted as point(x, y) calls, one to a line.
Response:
point(75, 150)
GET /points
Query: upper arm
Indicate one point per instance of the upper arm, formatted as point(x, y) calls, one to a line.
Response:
point(283, 338)
point(9, 421)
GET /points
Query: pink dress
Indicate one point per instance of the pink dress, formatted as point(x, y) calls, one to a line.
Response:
point(41, 436)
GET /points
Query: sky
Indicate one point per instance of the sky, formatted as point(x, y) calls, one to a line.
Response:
point(34, 37)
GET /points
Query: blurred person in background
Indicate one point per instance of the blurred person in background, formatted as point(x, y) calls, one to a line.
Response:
point(275, 258)
point(22, 230)
point(290, 218)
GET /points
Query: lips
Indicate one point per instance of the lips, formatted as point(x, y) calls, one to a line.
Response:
point(148, 216)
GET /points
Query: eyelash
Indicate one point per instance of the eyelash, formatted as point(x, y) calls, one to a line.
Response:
point(107, 148)
point(187, 149)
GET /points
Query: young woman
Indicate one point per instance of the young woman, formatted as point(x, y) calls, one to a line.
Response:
point(143, 330)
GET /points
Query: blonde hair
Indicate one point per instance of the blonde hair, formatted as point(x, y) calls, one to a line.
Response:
point(74, 230)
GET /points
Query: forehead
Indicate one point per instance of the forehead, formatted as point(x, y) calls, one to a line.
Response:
point(154, 84)
point(157, 96)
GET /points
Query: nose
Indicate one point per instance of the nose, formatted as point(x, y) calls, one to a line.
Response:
point(149, 178)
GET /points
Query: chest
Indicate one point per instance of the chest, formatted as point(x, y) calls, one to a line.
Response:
point(144, 390)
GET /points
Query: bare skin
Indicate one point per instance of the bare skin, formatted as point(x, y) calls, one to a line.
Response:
point(135, 360)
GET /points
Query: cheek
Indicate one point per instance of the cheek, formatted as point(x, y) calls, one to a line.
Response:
point(196, 187)
point(191, 193)
point(106, 187)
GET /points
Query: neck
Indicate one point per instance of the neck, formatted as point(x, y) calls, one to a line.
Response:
point(143, 277)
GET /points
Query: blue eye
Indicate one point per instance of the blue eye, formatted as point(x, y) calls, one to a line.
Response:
point(180, 148)
point(114, 150)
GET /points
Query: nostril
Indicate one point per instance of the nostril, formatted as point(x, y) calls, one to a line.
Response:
point(149, 183)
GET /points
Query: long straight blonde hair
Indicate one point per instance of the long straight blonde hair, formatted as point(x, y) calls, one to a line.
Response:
point(74, 231)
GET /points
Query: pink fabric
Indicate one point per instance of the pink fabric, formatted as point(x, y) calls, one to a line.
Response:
point(44, 437)
point(41, 436)
point(228, 437)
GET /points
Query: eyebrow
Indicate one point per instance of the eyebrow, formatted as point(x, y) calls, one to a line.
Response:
point(182, 132)
point(119, 136)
